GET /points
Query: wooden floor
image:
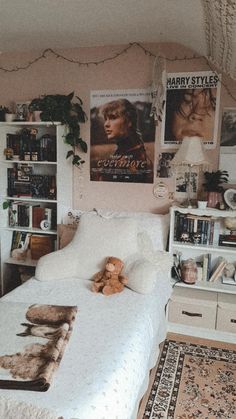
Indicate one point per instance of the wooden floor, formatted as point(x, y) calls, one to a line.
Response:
point(183, 338)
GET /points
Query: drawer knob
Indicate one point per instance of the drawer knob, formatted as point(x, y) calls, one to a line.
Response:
point(187, 313)
point(233, 320)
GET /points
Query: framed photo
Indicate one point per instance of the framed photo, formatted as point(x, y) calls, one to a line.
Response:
point(181, 182)
point(22, 111)
point(164, 169)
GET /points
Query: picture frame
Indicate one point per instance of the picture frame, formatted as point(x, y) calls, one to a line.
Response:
point(181, 181)
point(22, 111)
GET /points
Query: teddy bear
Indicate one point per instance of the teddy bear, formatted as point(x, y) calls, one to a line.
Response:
point(110, 281)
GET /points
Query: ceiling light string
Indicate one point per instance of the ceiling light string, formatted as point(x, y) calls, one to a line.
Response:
point(131, 45)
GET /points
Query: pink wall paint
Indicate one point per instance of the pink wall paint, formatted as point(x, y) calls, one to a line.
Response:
point(131, 70)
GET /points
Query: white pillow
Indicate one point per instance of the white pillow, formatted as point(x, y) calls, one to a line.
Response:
point(142, 276)
point(155, 225)
point(97, 238)
point(145, 268)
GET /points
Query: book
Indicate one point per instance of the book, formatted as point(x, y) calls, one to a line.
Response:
point(206, 266)
point(48, 215)
point(218, 270)
point(31, 209)
point(199, 271)
point(227, 240)
point(16, 235)
point(41, 245)
point(40, 185)
point(24, 172)
point(38, 214)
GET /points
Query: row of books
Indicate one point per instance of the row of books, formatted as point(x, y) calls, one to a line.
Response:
point(38, 244)
point(25, 145)
point(27, 214)
point(32, 185)
point(196, 229)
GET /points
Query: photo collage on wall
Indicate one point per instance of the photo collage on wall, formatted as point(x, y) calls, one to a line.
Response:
point(191, 109)
point(122, 136)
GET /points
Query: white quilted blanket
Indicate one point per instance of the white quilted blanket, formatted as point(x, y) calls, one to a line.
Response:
point(104, 371)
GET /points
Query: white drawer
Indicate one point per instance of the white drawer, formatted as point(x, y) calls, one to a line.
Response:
point(194, 308)
point(226, 313)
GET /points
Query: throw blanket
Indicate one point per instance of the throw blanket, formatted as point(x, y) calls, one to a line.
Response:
point(31, 351)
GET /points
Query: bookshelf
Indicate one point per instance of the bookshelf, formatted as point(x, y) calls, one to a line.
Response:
point(195, 233)
point(36, 182)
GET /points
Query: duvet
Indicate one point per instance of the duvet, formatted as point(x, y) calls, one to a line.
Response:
point(104, 370)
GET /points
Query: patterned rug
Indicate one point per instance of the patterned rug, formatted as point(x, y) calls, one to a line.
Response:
point(193, 382)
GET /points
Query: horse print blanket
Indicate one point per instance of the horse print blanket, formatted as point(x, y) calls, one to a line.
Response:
point(33, 339)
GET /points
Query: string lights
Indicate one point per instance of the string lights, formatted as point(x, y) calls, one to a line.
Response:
point(49, 51)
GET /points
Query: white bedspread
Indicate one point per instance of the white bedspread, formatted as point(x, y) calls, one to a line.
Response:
point(103, 373)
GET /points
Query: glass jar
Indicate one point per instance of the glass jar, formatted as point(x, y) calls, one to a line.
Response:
point(189, 271)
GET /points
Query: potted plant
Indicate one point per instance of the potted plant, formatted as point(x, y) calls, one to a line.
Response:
point(3, 111)
point(35, 108)
point(60, 108)
point(7, 114)
point(213, 186)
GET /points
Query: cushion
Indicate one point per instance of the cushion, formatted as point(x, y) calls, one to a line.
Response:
point(145, 268)
point(155, 225)
point(66, 233)
point(97, 238)
point(142, 275)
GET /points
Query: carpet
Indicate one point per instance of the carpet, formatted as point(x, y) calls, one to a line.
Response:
point(193, 381)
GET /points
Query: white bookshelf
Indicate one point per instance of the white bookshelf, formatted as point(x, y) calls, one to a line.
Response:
point(216, 289)
point(61, 169)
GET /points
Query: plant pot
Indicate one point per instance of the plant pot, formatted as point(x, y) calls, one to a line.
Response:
point(214, 199)
point(36, 116)
point(202, 204)
point(9, 117)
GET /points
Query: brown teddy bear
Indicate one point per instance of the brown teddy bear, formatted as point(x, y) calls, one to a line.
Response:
point(110, 281)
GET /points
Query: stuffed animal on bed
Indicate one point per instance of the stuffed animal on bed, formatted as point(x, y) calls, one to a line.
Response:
point(110, 281)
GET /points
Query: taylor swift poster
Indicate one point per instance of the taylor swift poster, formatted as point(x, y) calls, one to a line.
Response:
point(122, 136)
point(192, 108)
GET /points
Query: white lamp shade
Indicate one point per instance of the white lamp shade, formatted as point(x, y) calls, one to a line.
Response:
point(191, 152)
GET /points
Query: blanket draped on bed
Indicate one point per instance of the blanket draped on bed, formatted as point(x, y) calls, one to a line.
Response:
point(30, 352)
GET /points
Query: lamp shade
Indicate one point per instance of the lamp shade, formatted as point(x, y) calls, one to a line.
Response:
point(191, 152)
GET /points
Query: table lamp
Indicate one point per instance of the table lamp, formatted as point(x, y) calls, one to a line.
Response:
point(191, 153)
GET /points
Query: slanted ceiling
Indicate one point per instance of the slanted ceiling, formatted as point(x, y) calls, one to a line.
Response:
point(205, 26)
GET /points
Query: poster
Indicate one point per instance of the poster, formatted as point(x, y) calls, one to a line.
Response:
point(228, 129)
point(228, 143)
point(192, 108)
point(122, 136)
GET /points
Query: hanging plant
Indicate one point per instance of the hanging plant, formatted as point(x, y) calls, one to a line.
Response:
point(60, 108)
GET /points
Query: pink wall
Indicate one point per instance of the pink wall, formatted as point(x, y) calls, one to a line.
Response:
point(131, 70)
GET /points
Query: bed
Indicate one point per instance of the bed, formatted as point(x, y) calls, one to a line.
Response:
point(115, 341)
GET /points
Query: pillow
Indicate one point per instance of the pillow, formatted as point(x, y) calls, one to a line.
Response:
point(155, 225)
point(144, 269)
point(66, 233)
point(142, 276)
point(97, 238)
